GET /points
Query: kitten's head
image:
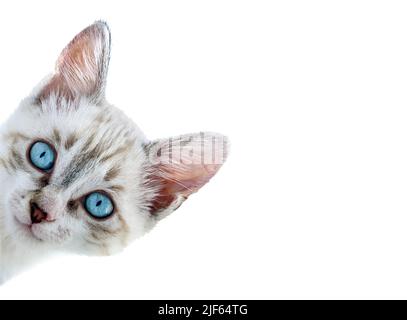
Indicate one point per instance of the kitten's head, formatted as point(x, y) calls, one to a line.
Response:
point(80, 175)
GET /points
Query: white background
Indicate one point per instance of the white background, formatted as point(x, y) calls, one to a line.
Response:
point(312, 202)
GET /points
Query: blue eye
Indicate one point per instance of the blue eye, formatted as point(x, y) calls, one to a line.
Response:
point(98, 205)
point(42, 155)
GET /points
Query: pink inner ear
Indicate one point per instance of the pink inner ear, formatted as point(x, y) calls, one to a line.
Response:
point(79, 62)
point(191, 180)
point(183, 164)
point(174, 182)
point(58, 87)
point(82, 66)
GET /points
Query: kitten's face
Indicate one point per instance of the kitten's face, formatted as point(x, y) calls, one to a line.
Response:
point(78, 174)
point(95, 149)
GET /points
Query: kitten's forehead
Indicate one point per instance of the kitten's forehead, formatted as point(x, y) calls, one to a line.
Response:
point(102, 148)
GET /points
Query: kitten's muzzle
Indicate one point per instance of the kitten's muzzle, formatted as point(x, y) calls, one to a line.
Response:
point(37, 214)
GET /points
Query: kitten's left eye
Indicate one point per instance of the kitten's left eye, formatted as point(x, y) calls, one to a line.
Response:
point(98, 205)
point(42, 155)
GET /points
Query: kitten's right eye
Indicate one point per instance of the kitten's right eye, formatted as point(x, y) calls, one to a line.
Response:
point(99, 205)
point(42, 156)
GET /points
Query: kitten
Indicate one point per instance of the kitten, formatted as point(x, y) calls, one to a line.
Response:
point(77, 175)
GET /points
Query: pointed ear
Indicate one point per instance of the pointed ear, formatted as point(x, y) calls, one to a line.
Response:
point(81, 68)
point(181, 165)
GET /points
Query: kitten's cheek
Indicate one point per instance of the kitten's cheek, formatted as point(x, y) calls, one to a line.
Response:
point(22, 219)
point(52, 232)
point(19, 210)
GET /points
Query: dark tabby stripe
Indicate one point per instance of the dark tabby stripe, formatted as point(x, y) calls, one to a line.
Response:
point(112, 173)
point(16, 136)
point(70, 141)
point(116, 188)
point(99, 232)
point(5, 165)
point(56, 137)
point(16, 161)
point(119, 151)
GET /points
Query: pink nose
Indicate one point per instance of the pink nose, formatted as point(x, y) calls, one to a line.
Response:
point(37, 214)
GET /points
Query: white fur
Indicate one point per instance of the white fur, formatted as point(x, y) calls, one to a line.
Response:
point(90, 118)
